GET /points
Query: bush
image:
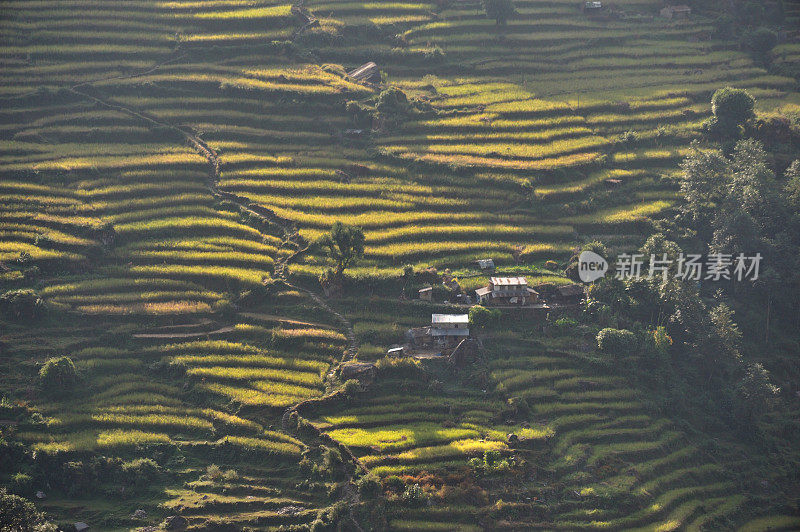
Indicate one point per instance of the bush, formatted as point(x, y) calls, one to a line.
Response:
point(140, 472)
point(617, 342)
point(20, 514)
point(224, 308)
point(369, 486)
point(414, 496)
point(394, 483)
point(399, 367)
point(58, 375)
point(214, 473)
point(565, 324)
point(22, 484)
point(230, 475)
point(351, 387)
point(22, 305)
point(393, 101)
point(483, 317)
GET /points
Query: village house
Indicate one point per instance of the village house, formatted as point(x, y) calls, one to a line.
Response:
point(676, 12)
point(449, 329)
point(426, 294)
point(507, 291)
point(444, 332)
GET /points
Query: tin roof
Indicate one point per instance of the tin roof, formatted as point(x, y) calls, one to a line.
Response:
point(509, 281)
point(449, 318)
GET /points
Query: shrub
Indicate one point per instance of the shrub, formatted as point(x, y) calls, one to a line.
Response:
point(351, 387)
point(58, 375)
point(21, 484)
point(230, 475)
point(399, 367)
point(369, 486)
point(22, 305)
point(20, 514)
point(732, 109)
point(565, 324)
point(617, 342)
point(214, 472)
point(224, 308)
point(629, 138)
point(393, 101)
point(414, 496)
point(394, 483)
point(140, 472)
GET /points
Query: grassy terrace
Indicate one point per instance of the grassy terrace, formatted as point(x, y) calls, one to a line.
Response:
point(156, 279)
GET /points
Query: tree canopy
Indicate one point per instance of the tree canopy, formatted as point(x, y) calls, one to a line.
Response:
point(499, 10)
point(732, 109)
point(344, 245)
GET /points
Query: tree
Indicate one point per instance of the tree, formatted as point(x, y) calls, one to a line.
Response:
point(792, 186)
point(344, 245)
point(500, 10)
point(755, 392)
point(22, 304)
point(58, 375)
point(760, 41)
point(732, 109)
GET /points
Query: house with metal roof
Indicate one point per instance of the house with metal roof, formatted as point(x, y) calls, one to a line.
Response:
point(507, 291)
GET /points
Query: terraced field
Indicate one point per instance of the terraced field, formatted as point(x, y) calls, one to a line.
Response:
point(164, 164)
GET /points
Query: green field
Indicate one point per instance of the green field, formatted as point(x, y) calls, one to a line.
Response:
point(163, 167)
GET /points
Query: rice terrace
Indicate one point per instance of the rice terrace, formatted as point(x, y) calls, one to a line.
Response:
point(323, 266)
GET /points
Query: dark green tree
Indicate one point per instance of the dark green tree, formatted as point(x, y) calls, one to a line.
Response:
point(755, 392)
point(761, 41)
point(499, 10)
point(732, 109)
point(344, 245)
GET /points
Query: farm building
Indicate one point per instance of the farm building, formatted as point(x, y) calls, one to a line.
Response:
point(445, 331)
point(507, 291)
point(426, 293)
point(676, 12)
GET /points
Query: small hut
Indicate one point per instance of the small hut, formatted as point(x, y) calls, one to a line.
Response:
point(366, 73)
